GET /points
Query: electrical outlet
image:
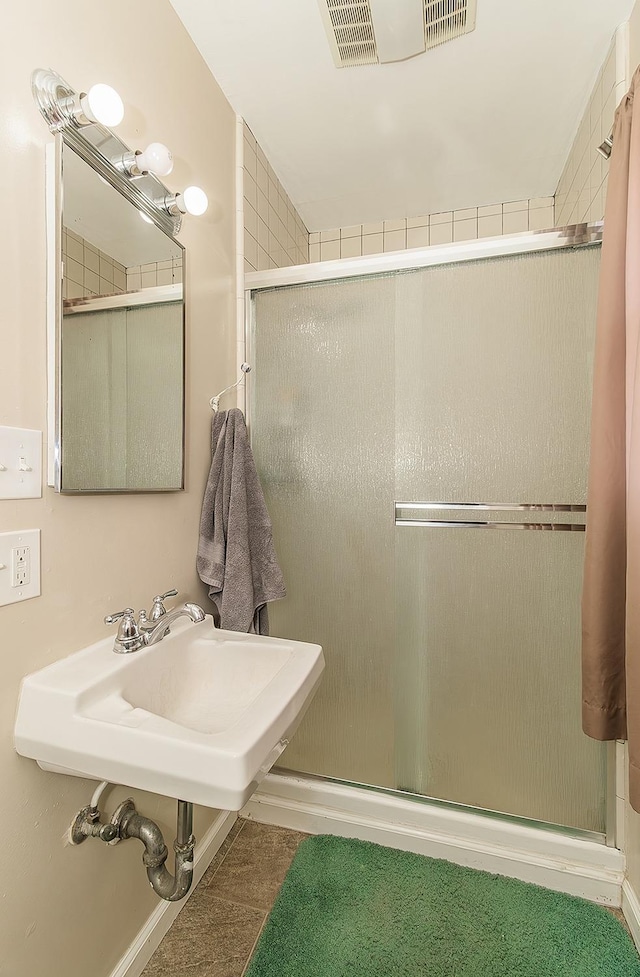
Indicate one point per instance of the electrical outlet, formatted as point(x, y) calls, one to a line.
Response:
point(19, 566)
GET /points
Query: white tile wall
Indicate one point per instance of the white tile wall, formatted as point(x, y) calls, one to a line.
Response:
point(583, 185)
point(154, 273)
point(274, 233)
point(443, 228)
point(88, 271)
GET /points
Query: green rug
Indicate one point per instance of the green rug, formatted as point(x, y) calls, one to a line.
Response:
point(353, 909)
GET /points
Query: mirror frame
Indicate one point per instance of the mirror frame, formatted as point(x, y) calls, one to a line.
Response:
point(54, 199)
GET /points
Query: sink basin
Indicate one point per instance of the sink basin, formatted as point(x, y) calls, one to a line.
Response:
point(200, 716)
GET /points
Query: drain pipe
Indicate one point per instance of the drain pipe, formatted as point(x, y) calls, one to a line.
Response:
point(125, 823)
point(134, 825)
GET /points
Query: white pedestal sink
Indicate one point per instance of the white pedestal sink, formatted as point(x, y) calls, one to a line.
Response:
point(201, 716)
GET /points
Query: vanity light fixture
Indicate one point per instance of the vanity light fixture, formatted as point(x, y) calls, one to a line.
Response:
point(192, 201)
point(84, 119)
point(156, 158)
point(64, 109)
point(101, 104)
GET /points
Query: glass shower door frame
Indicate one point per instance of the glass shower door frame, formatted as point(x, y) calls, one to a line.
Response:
point(575, 235)
point(579, 235)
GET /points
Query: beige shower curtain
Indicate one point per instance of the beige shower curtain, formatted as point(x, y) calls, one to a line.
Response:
point(611, 593)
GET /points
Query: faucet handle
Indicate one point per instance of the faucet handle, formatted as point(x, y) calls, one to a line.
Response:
point(169, 593)
point(128, 637)
point(112, 618)
point(158, 608)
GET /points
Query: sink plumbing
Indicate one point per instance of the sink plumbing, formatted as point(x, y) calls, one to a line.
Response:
point(125, 823)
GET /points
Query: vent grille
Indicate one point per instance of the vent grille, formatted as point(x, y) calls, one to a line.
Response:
point(351, 33)
point(446, 19)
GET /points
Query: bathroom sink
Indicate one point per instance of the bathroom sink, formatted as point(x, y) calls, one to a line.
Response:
point(200, 716)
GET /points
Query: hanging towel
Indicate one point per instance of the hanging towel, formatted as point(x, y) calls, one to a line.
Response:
point(236, 557)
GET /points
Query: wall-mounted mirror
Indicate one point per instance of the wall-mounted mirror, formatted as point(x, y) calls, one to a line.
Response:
point(119, 350)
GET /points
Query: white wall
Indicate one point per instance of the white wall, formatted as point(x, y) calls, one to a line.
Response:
point(73, 911)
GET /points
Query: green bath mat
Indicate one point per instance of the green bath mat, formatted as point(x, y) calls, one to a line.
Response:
point(353, 909)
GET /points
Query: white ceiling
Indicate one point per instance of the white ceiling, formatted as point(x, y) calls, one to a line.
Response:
point(487, 117)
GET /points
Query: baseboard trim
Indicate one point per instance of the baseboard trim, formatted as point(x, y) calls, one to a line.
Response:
point(157, 925)
point(551, 859)
point(631, 910)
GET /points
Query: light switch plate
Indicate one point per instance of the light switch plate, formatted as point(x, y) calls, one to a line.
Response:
point(20, 463)
point(14, 548)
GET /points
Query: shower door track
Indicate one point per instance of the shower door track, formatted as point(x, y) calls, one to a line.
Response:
point(438, 803)
point(571, 236)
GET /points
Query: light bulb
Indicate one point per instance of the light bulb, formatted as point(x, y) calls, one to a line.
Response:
point(103, 104)
point(194, 200)
point(156, 158)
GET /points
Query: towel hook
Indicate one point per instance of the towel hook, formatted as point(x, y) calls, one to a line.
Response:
point(214, 403)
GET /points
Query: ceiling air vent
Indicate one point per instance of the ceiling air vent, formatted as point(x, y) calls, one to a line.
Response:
point(446, 19)
point(380, 31)
point(349, 27)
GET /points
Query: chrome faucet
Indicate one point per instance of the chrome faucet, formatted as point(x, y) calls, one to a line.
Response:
point(157, 609)
point(157, 633)
point(149, 630)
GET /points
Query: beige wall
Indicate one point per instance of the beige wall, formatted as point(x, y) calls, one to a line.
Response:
point(632, 843)
point(74, 911)
point(631, 836)
point(632, 827)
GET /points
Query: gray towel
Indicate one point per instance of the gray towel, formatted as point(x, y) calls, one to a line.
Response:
point(236, 557)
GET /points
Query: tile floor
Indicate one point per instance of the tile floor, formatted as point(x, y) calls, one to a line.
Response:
point(216, 932)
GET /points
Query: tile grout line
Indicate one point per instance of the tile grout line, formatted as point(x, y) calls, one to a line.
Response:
point(246, 905)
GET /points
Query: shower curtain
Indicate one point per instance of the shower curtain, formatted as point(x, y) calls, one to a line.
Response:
point(611, 590)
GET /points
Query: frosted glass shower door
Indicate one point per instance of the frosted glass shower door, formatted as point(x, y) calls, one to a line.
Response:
point(452, 650)
point(493, 371)
point(324, 441)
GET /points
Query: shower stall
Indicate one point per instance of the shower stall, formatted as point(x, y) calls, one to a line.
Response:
point(420, 425)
